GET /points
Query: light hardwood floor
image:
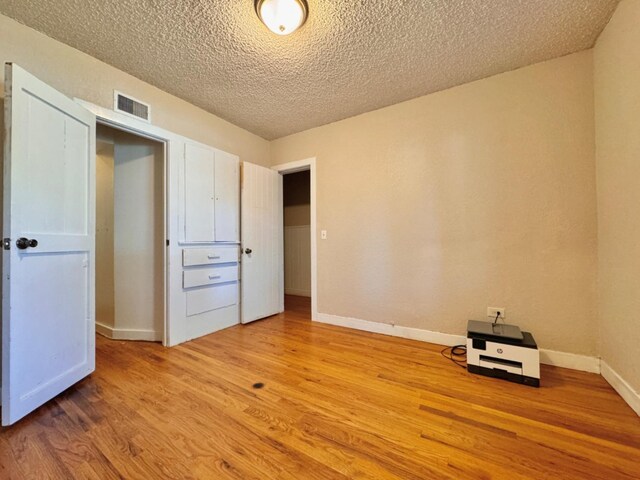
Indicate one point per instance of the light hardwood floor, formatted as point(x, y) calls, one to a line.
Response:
point(336, 404)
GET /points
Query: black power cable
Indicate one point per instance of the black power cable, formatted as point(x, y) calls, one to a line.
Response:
point(457, 354)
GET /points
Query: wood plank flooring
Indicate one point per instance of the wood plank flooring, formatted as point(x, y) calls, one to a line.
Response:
point(336, 404)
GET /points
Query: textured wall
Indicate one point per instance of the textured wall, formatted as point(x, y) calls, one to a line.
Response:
point(79, 75)
point(480, 195)
point(617, 105)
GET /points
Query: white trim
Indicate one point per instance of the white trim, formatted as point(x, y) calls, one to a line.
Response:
point(573, 361)
point(300, 166)
point(127, 123)
point(132, 124)
point(548, 357)
point(620, 385)
point(128, 333)
point(104, 330)
point(393, 330)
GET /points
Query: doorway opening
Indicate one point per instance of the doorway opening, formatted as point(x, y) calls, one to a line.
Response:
point(296, 204)
point(130, 235)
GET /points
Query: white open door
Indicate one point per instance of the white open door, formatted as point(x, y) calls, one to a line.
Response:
point(261, 229)
point(48, 325)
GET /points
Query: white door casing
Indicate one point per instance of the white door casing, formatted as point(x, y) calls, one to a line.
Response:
point(48, 329)
point(299, 166)
point(262, 242)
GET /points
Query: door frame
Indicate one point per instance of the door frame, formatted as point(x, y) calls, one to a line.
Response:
point(119, 121)
point(293, 167)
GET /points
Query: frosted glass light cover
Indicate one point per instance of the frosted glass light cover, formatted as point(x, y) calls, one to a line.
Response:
point(282, 17)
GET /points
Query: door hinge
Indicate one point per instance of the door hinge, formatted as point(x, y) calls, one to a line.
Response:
point(167, 242)
point(6, 243)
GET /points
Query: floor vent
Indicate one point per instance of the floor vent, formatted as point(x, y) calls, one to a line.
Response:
point(130, 106)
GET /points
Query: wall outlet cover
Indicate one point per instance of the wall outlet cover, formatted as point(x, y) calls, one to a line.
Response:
point(493, 311)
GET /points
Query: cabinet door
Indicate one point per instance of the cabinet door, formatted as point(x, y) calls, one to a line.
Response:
point(227, 195)
point(199, 213)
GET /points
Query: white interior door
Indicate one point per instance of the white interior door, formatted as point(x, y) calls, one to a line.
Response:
point(262, 251)
point(48, 293)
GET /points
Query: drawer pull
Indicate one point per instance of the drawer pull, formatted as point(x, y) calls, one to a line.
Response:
point(209, 256)
point(200, 277)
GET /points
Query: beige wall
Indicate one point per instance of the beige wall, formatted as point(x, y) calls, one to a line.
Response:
point(617, 106)
point(296, 189)
point(481, 195)
point(79, 75)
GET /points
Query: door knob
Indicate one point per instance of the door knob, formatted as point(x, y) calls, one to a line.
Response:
point(247, 251)
point(24, 243)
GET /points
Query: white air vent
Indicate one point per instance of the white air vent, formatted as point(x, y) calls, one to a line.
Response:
point(130, 106)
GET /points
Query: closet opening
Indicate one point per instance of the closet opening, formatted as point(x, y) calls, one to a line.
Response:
point(130, 235)
point(296, 199)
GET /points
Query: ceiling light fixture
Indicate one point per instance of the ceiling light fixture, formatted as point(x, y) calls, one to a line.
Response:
point(282, 16)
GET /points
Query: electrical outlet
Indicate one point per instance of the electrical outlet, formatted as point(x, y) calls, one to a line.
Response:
point(493, 311)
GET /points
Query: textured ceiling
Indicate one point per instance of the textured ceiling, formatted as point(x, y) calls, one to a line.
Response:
point(352, 56)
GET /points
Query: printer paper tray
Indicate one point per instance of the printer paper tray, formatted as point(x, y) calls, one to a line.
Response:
point(500, 364)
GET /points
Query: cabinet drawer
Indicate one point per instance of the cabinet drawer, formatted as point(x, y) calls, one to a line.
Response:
point(209, 256)
point(210, 298)
point(209, 276)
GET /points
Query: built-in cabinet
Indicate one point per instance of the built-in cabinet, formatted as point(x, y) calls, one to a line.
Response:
point(209, 238)
point(212, 197)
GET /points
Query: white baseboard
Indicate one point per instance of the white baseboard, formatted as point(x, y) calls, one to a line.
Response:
point(393, 330)
point(570, 360)
point(548, 357)
point(104, 330)
point(297, 293)
point(128, 333)
point(619, 384)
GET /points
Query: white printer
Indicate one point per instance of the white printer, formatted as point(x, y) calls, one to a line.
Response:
point(502, 351)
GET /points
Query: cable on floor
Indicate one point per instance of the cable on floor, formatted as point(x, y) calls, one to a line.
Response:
point(457, 354)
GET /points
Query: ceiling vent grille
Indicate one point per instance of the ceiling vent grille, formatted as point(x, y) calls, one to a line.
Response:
point(130, 106)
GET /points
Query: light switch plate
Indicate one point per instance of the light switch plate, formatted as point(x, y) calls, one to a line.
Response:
point(323, 234)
